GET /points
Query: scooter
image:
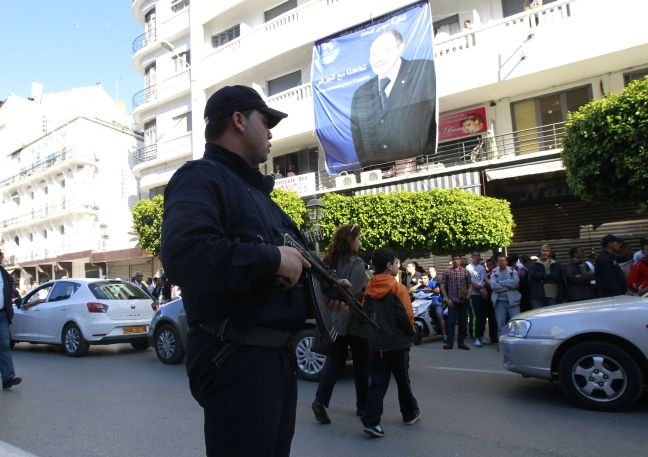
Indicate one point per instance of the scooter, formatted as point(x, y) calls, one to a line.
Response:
point(425, 316)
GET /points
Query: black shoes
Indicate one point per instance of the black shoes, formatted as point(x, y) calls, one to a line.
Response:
point(8, 384)
point(320, 412)
point(464, 347)
point(447, 346)
point(375, 432)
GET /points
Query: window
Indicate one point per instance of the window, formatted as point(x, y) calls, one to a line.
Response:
point(45, 234)
point(62, 229)
point(300, 162)
point(63, 290)
point(179, 5)
point(634, 75)
point(38, 296)
point(284, 82)
point(116, 291)
point(16, 198)
point(279, 10)
point(150, 133)
point(446, 26)
point(182, 61)
point(226, 36)
point(31, 237)
point(511, 7)
point(537, 121)
point(17, 240)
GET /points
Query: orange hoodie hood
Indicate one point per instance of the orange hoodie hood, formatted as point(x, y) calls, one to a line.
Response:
point(382, 284)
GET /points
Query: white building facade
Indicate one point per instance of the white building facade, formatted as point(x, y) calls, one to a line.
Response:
point(66, 183)
point(526, 68)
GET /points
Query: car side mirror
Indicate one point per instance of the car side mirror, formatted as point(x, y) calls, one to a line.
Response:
point(18, 302)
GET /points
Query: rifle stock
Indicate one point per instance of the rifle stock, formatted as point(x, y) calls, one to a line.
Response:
point(335, 289)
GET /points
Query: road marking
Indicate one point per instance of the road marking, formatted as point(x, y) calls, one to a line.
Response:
point(471, 370)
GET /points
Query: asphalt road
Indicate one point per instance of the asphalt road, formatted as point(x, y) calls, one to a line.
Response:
point(120, 402)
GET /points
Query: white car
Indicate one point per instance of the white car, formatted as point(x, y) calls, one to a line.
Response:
point(75, 313)
point(597, 349)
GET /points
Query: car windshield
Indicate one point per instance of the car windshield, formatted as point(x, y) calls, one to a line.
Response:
point(116, 291)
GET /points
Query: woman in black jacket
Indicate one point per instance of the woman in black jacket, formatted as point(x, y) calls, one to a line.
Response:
point(342, 255)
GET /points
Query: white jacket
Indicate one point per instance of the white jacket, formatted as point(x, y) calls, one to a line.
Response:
point(505, 282)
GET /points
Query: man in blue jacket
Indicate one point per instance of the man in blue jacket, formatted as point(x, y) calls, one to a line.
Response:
point(219, 244)
point(9, 378)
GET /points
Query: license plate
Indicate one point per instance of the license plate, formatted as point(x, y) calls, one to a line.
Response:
point(134, 329)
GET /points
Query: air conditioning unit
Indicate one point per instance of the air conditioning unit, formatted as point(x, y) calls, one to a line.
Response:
point(345, 180)
point(371, 177)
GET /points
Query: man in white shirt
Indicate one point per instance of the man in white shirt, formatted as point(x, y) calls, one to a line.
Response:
point(478, 298)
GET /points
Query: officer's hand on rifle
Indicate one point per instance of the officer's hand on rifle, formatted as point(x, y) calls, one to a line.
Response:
point(292, 264)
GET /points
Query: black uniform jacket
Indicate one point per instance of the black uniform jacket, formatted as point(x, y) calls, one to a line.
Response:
point(218, 236)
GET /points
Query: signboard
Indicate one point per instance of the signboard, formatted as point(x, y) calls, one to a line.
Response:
point(374, 90)
point(300, 184)
point(464, 123)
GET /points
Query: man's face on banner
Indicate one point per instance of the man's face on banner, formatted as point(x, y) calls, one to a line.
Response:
point(384, 54)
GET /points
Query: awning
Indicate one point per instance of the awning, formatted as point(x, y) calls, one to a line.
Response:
point(524, 170)
point(469, 181)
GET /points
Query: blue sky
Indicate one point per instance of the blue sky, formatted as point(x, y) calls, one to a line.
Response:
point(67, 44)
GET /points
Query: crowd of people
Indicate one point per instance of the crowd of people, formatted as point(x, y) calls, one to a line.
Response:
point(474, 293)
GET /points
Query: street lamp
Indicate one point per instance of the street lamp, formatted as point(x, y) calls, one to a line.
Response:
point(315, 210)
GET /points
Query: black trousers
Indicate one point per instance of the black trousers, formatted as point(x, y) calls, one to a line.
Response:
point(249, 403)
point(334, 366)
point(458, 312)
point(382, 364)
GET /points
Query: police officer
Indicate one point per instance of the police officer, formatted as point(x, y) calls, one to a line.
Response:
point(219, 239)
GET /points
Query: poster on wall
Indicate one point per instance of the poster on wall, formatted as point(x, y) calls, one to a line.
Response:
point(374, 91)
point(464, 123)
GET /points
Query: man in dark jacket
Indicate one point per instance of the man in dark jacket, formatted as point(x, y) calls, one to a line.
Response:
point(546, 279)
point(388, 303)
point(610, 280)
point(578, 277)
point(9, 378)
point(218, 244)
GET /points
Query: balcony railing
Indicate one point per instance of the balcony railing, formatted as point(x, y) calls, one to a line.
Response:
point(480, 152)
point(145, 153)
point(144, 39)
point(65, 154)
point(174, 84)
point(36, 215)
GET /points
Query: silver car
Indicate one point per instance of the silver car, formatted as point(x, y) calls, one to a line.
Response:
point(168, 335)
point(597, 349)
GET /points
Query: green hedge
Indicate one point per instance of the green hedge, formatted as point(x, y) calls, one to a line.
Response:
point(419, 223)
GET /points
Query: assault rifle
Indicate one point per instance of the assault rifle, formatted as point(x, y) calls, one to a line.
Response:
point(332, 289)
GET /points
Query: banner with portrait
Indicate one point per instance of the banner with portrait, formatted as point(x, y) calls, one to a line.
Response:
point(374, 91)
point(464, 123)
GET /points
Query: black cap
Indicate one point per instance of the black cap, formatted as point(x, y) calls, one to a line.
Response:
point(229, 99)
point(609, 239)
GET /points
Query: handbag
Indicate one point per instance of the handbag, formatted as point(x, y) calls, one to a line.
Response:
point(321, 344)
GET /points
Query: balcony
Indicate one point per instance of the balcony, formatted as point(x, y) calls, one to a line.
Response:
point(163, 151)
point(144, 39)
point(52, 162)
point(156, 94)
point(530, 146)
point(66, 206)
point(298, 103)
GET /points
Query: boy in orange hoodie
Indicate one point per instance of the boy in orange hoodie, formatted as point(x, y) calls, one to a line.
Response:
point(388, 303)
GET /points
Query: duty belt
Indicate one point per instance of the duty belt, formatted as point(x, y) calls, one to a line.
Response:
point(255, 336)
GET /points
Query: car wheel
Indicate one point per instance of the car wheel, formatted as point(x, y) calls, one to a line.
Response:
point(73, 343)
point(601, 376)
point(309, 363)
point(168, 345)
point(140, 345)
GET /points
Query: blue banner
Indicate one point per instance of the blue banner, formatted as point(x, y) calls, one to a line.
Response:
point(374, 91)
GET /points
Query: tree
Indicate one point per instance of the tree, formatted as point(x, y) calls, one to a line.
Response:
point(418, 223)
point(147, 223)
point(147, 217)
point(605, 148)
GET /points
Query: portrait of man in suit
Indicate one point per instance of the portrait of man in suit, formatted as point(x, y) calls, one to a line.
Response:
point(393, 114)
